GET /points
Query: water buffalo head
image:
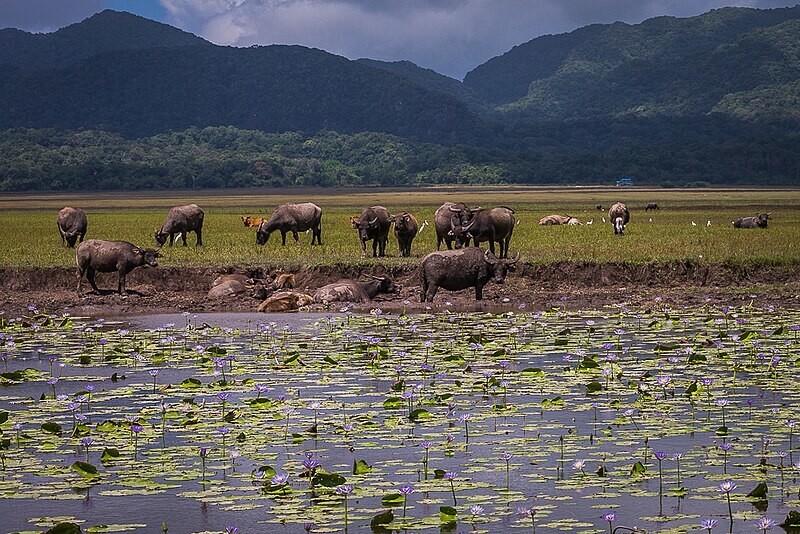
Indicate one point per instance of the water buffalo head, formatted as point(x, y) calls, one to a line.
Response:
point(262, 234)
point(385, 284)
point(161, 237)
point(619, 225)
point(366, 228)
point(149, 256)
point(500, 268)
point(460, 232)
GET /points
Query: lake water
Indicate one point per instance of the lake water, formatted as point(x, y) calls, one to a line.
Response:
point(564, 413)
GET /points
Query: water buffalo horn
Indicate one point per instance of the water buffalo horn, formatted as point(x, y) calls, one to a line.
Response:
point(515, 260)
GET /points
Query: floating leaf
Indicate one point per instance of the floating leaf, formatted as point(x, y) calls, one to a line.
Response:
point(84, 469)
point(419, 414)
point(329, 480)
point(393, 403)
point(360, 467)
point(638, 469)
point(759, 492)
point(52, 428)
point(447, 514)
point(393, 499)
point(384, 518)
point(191, 383)
point(109, 454)
point(594, 387)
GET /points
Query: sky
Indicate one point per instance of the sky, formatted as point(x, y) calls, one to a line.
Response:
point(451, 37)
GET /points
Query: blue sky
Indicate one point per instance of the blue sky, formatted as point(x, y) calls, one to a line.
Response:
point(449, 36)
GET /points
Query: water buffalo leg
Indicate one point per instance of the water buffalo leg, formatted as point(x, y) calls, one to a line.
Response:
point(199, 234)
point(90, 272)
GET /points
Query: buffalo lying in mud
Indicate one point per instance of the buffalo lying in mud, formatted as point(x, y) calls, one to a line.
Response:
point(406, 228)
point(553, 220)
point(455, 270)
point(72, 226)
point(757, 221)
point(619, 215)
point(495, 224)
point(349, 290)
point(446, 217)
point(373, 224)
point(292, 218)
point(96, 255)
point(284, 301)
point(180, 221)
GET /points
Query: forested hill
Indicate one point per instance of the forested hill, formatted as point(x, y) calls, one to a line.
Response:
point(736, 61)
point(135, 103)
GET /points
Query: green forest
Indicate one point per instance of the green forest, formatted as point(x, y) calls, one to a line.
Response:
point(223, 157)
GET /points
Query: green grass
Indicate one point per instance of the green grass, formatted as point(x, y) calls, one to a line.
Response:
point(29, 237)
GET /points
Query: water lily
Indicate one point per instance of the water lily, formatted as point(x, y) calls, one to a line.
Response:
point(610, 517)
point(345, 490)
point(765, 524)
point(708, 524)
point(726, 488)
point(405, 491)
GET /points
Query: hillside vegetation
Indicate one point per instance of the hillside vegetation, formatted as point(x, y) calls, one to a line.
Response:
point(122, 102)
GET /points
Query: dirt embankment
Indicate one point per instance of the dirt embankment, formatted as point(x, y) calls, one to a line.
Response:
point(572, 284)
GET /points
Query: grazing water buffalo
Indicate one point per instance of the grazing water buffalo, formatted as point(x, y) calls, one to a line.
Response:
point(182, 220)
point(96, 255)
point(373, 223)
point(292, 218)
point(758, 221)
point(448, 215)
point(495, 224)
point(455, 270)
point(619, 215)
point(349, 290)
point(552, 220)
point(406, 228)
point(651, 206)
point(71, 225)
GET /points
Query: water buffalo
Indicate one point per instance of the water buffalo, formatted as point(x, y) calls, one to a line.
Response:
point(552, 220)
point(349, 290)
point(96, 255)
point(651, 206)
point(619, 215)
point(455, 270)
point(181, 220)
point(495, 224)
point(292, 218)
point(406, 228)
point(758, 221)
point(373, 223)
point(71, 225)
point(448, 215)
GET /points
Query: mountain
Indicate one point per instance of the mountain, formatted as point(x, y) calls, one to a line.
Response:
point(108, 31)
point(139, 90)
point(738, 61)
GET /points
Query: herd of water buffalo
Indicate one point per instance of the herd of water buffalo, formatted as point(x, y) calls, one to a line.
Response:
point(456, 225)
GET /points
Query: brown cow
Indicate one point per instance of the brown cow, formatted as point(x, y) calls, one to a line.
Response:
point(251, 222)
point(285, 301)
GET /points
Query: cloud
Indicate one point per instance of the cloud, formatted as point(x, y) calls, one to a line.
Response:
point(46, 15)
point(449, 36)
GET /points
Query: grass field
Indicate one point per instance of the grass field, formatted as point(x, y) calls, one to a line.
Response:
point(29, 237)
